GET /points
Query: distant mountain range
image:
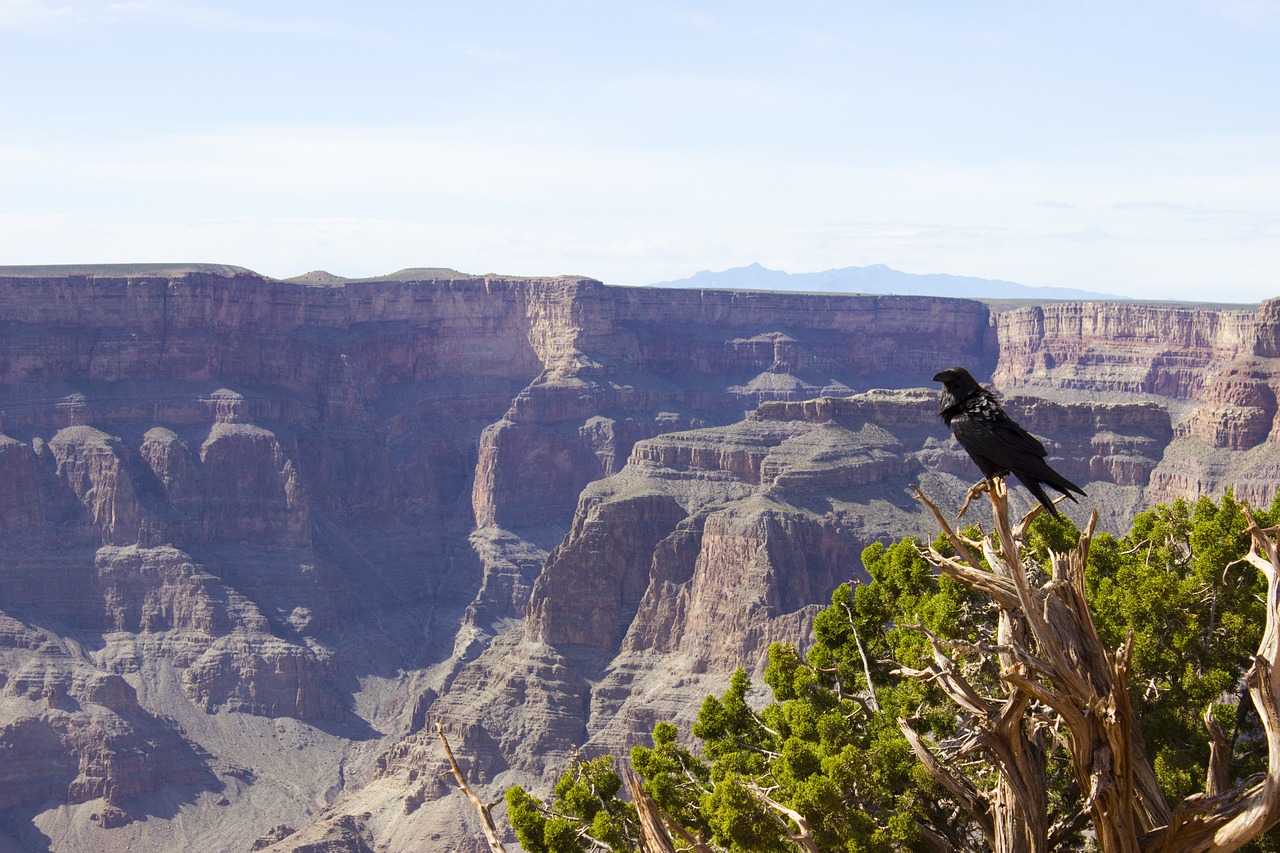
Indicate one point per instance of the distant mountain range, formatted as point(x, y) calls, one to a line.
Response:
point(877, 278)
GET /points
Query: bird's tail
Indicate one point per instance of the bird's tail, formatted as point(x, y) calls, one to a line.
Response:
point(1036, 488)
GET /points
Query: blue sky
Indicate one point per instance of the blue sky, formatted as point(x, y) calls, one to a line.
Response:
point(1124, 147)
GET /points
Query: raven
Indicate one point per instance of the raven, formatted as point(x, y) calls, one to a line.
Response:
point(996, 444)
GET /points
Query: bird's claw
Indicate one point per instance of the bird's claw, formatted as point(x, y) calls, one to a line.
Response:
point(977, 489)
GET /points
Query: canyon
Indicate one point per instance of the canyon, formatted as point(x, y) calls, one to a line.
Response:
point(259, 537)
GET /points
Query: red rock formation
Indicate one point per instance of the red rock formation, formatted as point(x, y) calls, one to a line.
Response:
point(1238, 412)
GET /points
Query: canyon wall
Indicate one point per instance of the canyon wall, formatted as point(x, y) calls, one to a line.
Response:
point(258, 537)
point(1217, 370)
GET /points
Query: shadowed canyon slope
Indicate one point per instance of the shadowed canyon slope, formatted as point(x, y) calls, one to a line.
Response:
point(258, 537)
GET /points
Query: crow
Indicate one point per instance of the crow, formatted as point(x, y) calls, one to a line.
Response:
point(996, 444)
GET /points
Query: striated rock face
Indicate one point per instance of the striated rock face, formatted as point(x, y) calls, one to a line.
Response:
point(1216, 370)
point(760, 520)
point(252, 492)
point(238, 499)
point(264, 675)
point(607, 580)
point(1117, 346)
point(257, 537)
point(649, 362)
point(1239, 406)
point(92, 466)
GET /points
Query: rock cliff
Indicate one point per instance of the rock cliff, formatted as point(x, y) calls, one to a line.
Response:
point(1215, 370)
point(258, 537)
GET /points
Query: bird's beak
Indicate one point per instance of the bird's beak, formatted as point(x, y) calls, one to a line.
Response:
point(941, 377)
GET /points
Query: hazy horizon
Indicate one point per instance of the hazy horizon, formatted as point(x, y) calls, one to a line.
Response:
point(1128, 148)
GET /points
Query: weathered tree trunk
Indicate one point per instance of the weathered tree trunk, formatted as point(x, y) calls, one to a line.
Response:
point(655, 825)
point(1050, 657)
point(653, 831)
point(1013, 814)
point(1020, 802)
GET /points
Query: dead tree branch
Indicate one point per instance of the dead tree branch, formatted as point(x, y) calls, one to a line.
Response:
point(802, 838)
point(482, 808)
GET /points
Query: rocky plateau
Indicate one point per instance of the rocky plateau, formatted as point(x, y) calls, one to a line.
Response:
point(258, 537)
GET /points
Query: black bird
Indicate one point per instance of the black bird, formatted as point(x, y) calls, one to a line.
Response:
point(996, 444)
